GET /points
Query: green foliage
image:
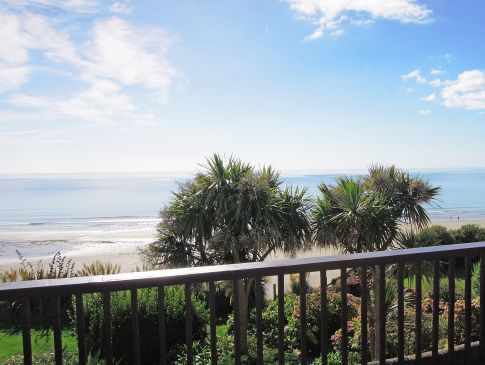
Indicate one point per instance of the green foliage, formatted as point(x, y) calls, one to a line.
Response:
point(99, 268)
point(364, 214)
point(148, 322)
point(334, 358)
point(469, 233)
point(230, 212)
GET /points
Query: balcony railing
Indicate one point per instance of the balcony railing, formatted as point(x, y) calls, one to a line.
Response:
point(377, 261)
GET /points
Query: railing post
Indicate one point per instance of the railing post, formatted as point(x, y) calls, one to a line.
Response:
point(281, 319)
point(381, 313)
point(135, 327)
point(188, 323)
point(108, 341)
point(237, 322)
point(26, 339)
point(451, 309)
point(303, 319)
point(323, 317)
point(259, 320)
point(482, 308)
point(213, 333)
point(81, 335)
point(363, 315)
point(418, 306)
point(400, 313)
point(468, 308)
point(436, 310)
point(162, 326)
point(343, 300)
point(57, 330)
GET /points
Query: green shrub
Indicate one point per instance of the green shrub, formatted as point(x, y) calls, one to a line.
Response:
point(469, 233)
point(292, 320)
point(334, 358)
point(148, 322)
point(435, 235)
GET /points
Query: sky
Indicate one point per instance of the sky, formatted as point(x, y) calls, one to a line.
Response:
point(149, 85)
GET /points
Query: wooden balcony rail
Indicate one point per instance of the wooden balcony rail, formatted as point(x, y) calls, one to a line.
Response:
point(24, 291)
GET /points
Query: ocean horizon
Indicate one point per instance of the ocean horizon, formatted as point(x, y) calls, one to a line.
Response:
point(45, 213)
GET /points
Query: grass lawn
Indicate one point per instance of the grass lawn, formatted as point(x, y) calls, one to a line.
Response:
point(11, 345)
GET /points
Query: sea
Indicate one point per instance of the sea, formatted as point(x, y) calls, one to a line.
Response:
point(43, 214)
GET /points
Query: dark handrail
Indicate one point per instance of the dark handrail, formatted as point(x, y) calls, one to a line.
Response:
point(148, 279)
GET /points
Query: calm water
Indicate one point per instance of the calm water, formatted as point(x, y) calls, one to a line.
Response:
point(129, 202)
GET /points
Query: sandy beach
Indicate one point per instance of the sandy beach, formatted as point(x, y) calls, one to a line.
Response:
point(120, 247)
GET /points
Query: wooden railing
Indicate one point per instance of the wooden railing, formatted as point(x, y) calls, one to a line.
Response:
point(56, 288)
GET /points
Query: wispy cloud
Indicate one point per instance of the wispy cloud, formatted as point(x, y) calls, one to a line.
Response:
point(121, 7)
point(330, 16)
point(103, 102)
point(424, 112)
point(82, 6)
point(430, 97)
point(414, 75)
point(117, 57)
point(437, 71)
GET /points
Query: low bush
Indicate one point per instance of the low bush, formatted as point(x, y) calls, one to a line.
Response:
point(148, 322)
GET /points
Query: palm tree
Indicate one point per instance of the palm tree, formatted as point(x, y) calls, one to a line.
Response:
point(369, 214)
point(352, 218)
point(231, 213)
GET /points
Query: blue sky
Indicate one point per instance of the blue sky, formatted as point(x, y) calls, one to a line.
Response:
point(88, 85)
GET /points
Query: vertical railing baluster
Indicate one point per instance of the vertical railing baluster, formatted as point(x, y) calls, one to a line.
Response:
point(259, 320)
point(419, 298)
point(381, 309)
point(363, 315)
point(281, 319)
point(323, 317)
point(451, 309)
point(468, 307)
point(57, 330)
point(303, 319)
point(400, 313)
point(343, 300)
point(213, 325)
point(162, 331)
point(482, 308)
point(188, 323)
point(436, 311)
point(80, 329)
point(26, 336)
point(135, 327)
point(237, 322)
point(108, 340)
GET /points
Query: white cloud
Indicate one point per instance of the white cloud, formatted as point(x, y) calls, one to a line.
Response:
point(414, 75)
point(81, 6)
point(131, 56)
point(103, 102)
point(331, 15)
point(120, 7)
point(424, 112)
point(436, 83)
point(467, 91)
point(117, 59)
point(22, 34)
point(409, 90)
point(430, 97)
point(11, 77)
point(437, 71)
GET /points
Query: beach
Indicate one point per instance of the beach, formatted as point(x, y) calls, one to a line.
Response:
point(116, 246)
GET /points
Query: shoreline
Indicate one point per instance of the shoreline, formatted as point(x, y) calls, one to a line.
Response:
point(118, 247)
